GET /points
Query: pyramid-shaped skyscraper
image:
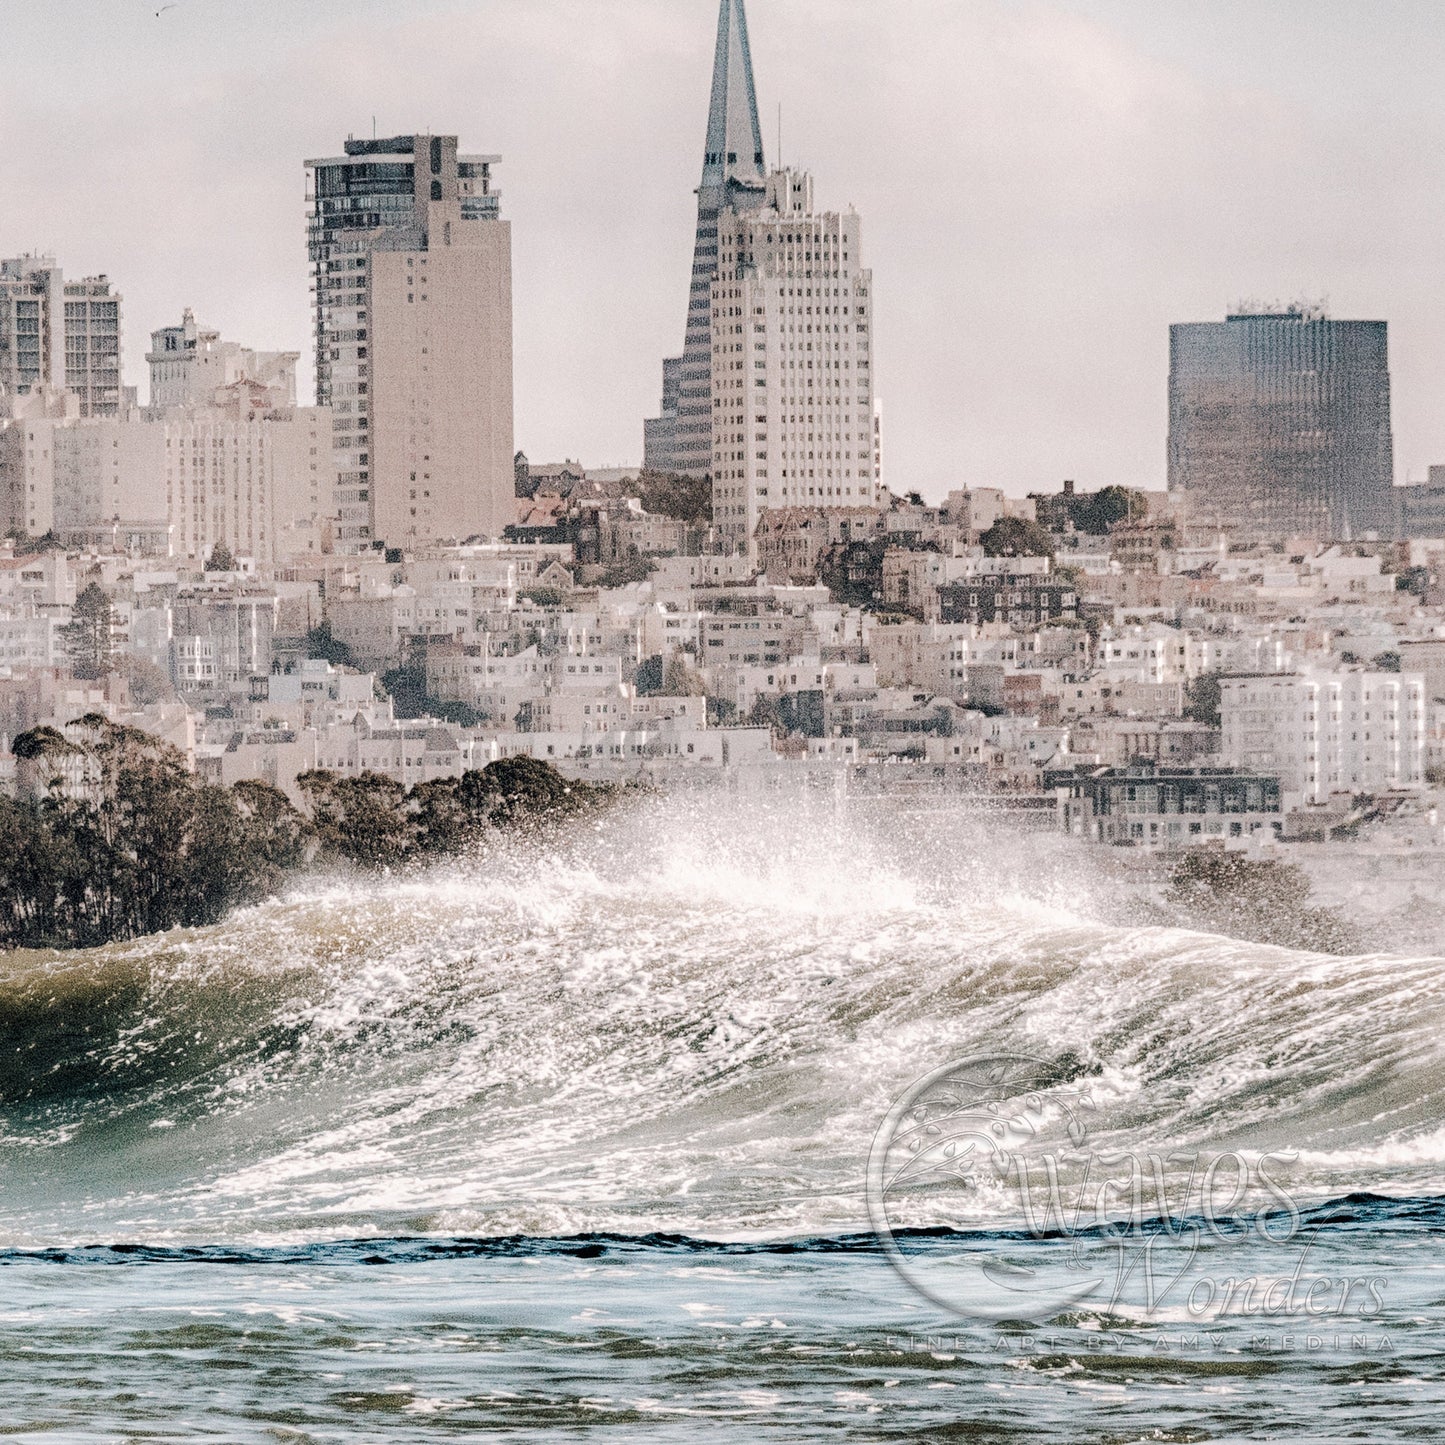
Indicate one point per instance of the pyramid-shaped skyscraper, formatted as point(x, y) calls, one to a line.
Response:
point(733, 176)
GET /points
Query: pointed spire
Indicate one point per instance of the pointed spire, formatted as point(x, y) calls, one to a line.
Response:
point(734, 137)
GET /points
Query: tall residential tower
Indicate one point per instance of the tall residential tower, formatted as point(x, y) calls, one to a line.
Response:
point(59, 333)
point(412, 271)
point(733, 179)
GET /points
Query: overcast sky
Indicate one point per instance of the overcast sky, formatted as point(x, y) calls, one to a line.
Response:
point(1045, 185)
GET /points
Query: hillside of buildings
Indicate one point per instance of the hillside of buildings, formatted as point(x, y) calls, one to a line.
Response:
point(1094, 666)
point(376, 588)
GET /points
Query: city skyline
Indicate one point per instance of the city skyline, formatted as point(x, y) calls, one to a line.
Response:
point(1269, 155)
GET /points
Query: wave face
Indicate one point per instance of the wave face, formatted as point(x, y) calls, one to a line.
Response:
point(687, 1019)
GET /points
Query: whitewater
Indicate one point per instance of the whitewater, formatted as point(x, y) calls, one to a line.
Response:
point(572, 1137)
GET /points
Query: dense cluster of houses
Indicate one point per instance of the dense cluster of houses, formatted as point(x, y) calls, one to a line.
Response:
point(1163, 685)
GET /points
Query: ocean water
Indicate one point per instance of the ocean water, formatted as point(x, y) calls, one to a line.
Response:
point(575, 1140)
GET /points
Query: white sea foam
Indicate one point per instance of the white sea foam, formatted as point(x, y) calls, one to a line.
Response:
point(693, 1019)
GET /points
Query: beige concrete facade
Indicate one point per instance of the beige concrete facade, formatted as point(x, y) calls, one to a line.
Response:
point(413, 281)
point(240, 471)
point(441, 393)
point(259, 483)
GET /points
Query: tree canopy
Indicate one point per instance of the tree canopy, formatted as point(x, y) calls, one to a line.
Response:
point(112, 836)
point(89, 636)
point(1263, 899)
point(373, 822)
point(322, 644)
point(627, 571)
point(123, 840)
point(670, 494)
point(1092, 512)
point(1097, 512)
point(1017, 537)
point(1202, 697)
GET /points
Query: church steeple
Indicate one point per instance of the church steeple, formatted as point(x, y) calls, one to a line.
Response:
point(734, 137)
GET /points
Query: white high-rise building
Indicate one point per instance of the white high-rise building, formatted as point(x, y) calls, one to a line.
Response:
point(794, 422)
point(1327, 732)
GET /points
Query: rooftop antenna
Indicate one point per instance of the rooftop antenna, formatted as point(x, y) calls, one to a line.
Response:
point(780, 135)
point(373, 127)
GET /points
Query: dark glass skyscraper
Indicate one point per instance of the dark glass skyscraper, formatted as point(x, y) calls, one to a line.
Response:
point(733, 176)
point(1279, 422)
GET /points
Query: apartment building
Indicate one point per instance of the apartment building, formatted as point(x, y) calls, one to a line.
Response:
point(1355, 731)
point(412, 274)
point(59, 333)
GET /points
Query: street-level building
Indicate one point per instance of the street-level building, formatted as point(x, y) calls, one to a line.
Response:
point(1145, 805)
point(1024, 600)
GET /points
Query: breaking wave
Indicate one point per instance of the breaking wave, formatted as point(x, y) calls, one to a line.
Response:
point(688, 1019)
